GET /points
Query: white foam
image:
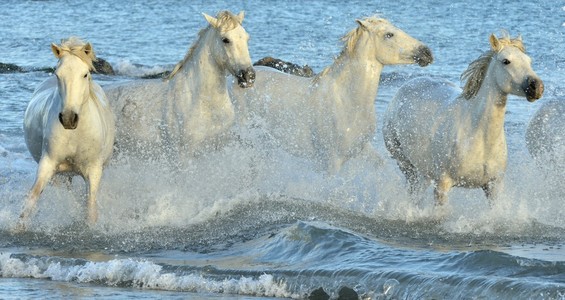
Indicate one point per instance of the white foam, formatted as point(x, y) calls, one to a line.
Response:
point(127, 68)
point(135, 195)
point(139, 274)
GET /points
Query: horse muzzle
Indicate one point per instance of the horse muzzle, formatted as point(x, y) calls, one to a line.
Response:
point(246, 78)
point(69, 120)
point(423, 56)
point(533, 88)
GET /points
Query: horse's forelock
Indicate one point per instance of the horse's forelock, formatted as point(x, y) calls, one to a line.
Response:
point(227, 21)
point(75, 47)
point(506, 41)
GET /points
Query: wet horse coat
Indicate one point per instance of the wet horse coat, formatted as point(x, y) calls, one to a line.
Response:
point(68, 125)
point(436, 132)
point(331, 117)
point(191, 111)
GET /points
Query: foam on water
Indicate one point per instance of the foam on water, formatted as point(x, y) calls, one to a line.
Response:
point(136, 273)
point(135, 194)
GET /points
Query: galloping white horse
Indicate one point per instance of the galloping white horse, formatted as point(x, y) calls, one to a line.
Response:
point(191, 111)
point(456, 138)
point(331, 117)
point(545, 135)
point(68, 125)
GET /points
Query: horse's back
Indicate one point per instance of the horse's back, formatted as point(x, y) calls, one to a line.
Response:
point(141, 93)
point(272, 92)
point(137, 106)
point(284, 104)
point(413, 117)
point(545, 134)
point(418, 101)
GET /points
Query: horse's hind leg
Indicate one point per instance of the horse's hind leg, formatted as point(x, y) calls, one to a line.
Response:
point(393, 145)
point(412, 176)
point(45, 171)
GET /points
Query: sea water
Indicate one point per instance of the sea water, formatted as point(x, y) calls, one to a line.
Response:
point(258, 222)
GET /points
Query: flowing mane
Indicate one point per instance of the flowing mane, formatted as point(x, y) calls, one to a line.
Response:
point(350, 43)
point(475, 73)
point(226, 22)
point(74, 46)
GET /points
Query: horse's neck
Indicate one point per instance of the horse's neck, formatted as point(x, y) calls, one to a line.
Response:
point(202, 77)
point(488, 109)
point(96, 105)
point(358, 79)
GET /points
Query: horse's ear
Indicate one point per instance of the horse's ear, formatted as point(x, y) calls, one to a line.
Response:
point(213, 21)
point(240, 16)
point(494, 42)
point(87, 49)
point(56, 50)
point(363, 24)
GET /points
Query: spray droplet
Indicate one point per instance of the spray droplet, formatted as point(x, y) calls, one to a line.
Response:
point(389, 286)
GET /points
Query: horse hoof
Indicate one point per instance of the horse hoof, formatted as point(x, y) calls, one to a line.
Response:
point(21, 226)
point(441, 212)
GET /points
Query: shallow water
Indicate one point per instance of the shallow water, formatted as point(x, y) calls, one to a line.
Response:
point(257, 222)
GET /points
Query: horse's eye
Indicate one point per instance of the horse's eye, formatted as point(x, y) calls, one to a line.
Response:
point(85, 75)
point(226, 40)
point(389, 35)
point(506, 61)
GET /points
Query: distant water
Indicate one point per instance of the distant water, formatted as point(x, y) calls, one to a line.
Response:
point(257, 222)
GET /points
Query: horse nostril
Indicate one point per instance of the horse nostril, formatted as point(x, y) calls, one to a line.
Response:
point(61, 119)
point(75, 119)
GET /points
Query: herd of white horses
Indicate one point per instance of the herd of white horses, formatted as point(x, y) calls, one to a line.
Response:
point(437, 132)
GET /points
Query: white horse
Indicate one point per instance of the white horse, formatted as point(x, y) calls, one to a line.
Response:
point(545, 135)
point(456, 138)
point(330, 118)
point(68, 125)
point(191, 111)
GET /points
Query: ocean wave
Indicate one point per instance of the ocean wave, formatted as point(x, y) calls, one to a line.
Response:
point(371, 270)
point(137, 274)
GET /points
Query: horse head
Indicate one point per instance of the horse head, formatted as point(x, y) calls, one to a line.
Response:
point(512, 68)
point(73, 78)
point(390, 45)
point(230, 46)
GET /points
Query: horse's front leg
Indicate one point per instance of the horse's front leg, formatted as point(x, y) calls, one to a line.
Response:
point(93, 177)
point(442, 188)
point(45, 170)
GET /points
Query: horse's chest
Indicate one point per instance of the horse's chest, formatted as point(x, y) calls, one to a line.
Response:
point(354, 124)
point(478, 168)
